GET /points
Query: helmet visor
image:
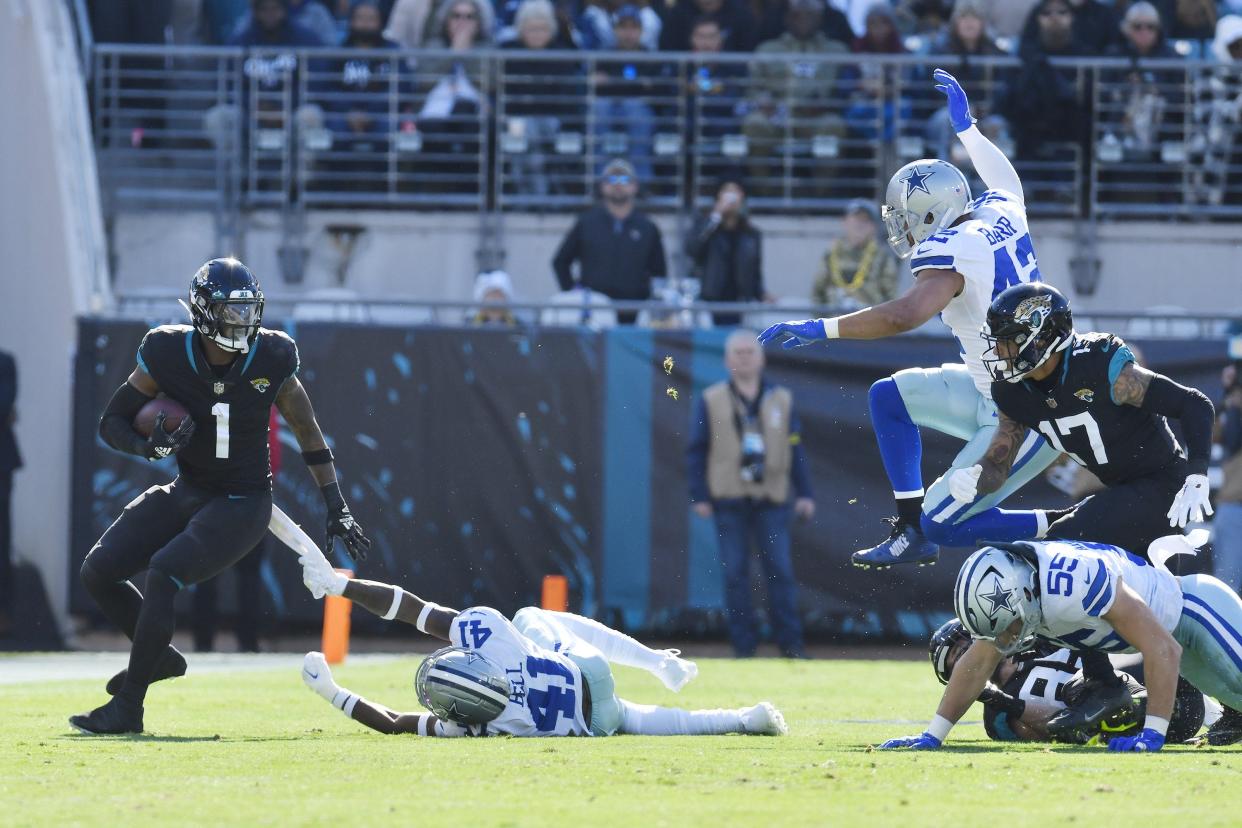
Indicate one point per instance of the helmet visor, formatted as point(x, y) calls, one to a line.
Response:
point(897, 223)
point(237, 320)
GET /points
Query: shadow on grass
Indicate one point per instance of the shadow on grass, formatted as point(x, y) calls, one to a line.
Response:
point(1019, 749)
point(152, 737)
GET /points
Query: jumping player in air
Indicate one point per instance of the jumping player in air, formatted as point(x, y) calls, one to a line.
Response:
point(1028, 695)
point(963, 253)
point(542, 674)
point(1092, 596)
point(227, 372)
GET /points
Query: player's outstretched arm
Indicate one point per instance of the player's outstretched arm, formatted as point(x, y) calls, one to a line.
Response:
point(1158, 394)
point(970, 677)
point(392, 603)
point(318, 677)
point(295, 407)
point(991, 164)
point(1162, 657)
point(932, 291)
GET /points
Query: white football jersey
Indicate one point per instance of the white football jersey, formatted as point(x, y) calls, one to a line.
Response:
point(1078, 583)
point(992, 250)
point(546, 687)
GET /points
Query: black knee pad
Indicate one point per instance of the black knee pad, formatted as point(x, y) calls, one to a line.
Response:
point(94, 578)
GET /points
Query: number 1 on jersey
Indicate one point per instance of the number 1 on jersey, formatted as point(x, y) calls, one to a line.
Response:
point(221, 412)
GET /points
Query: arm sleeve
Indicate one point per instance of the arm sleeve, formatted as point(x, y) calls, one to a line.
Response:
point(566, 255)
point(696, 453)
point(991, 164)
point(8, 388)
point(116, 424)
point(657, 265)
point(801, 477)
point(1195, 411)
point(696, 241)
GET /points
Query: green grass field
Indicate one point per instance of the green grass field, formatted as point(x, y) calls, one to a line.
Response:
point(258, 748)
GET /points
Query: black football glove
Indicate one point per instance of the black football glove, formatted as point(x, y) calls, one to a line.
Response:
point(341, 524)
point(162, 443)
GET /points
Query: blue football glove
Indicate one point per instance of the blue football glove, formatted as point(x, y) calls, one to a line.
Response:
point(926, 741)
point(1146, 742)
point(794, 334)
point(959, 106)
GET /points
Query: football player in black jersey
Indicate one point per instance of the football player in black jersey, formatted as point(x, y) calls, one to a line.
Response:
point(1030, 693)
point(227, 372)
point(1089, 398)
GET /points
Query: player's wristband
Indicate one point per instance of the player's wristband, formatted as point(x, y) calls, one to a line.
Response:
point(832, 328)
point(1157, 724)
point(939, 727)
point(424, 614)
point(332, 496)
point(318, 457)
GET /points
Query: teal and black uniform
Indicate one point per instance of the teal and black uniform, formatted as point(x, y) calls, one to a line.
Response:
point(1130, 449)
point(218, 507)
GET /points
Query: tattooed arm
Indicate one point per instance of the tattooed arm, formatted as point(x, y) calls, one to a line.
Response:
point(1000, 455)
point(1158, 394)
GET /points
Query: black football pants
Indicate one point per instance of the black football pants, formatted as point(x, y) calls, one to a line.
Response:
point(182, 535)
point(1130, 514)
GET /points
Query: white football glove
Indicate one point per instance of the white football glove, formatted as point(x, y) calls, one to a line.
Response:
point(319, 576)
point(964, 483)
point(318, 676)
point(1192, 503)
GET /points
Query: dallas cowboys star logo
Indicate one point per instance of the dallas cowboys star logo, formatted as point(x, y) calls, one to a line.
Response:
point(916, 180)
point(999, 598)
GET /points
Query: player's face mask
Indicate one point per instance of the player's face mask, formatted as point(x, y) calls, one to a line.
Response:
point(1016, 351)
point(236, 322)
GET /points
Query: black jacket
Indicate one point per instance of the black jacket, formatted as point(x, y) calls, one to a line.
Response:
point(617, 258)
point(9, 458)
point(729, 263)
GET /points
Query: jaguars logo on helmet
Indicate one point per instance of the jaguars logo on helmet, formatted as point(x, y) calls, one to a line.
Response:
point(226, 304)
point(1027, 324)
point(462, 686)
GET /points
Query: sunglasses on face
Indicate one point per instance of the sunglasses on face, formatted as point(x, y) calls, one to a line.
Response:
point(1057, 12)
point(1139, 27)
point(616, 179)
point(463, 16)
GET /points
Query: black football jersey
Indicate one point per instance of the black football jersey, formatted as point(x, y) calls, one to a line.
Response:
point(1041, 676)
point(229, 451)
point(1075, 412)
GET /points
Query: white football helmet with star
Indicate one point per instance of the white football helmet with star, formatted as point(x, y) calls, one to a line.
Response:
point(995, 588)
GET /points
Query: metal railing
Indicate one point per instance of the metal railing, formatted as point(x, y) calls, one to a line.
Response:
point(671, 312)
point(520, 130)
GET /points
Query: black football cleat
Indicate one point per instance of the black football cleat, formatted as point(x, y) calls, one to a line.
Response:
point(1227, 730)
point(171, 665)
point(1097, 701)
point(116, 717)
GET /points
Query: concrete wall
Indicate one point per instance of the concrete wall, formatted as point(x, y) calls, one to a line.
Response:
point(432, 256)
point(53, 243)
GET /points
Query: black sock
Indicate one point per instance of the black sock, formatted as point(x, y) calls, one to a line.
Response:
point(910, 510)
point(120, 600)
point(1096, 666)
point(152, 637)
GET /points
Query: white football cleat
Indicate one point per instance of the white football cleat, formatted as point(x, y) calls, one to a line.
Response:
point(675, 672)
point(318, 676)
point(764, 719)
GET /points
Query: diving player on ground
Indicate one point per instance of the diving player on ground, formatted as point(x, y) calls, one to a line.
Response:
point(964, 253)
point(227, 372)
point(1092, 596)
point(543, 674)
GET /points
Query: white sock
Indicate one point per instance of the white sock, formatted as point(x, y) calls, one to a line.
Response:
point(615, 646)
point(1041, 523)
point(650, 720)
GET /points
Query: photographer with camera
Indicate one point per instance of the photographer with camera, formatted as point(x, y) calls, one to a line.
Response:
point(744, 456)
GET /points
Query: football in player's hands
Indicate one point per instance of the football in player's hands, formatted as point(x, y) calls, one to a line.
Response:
point(174, 412)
